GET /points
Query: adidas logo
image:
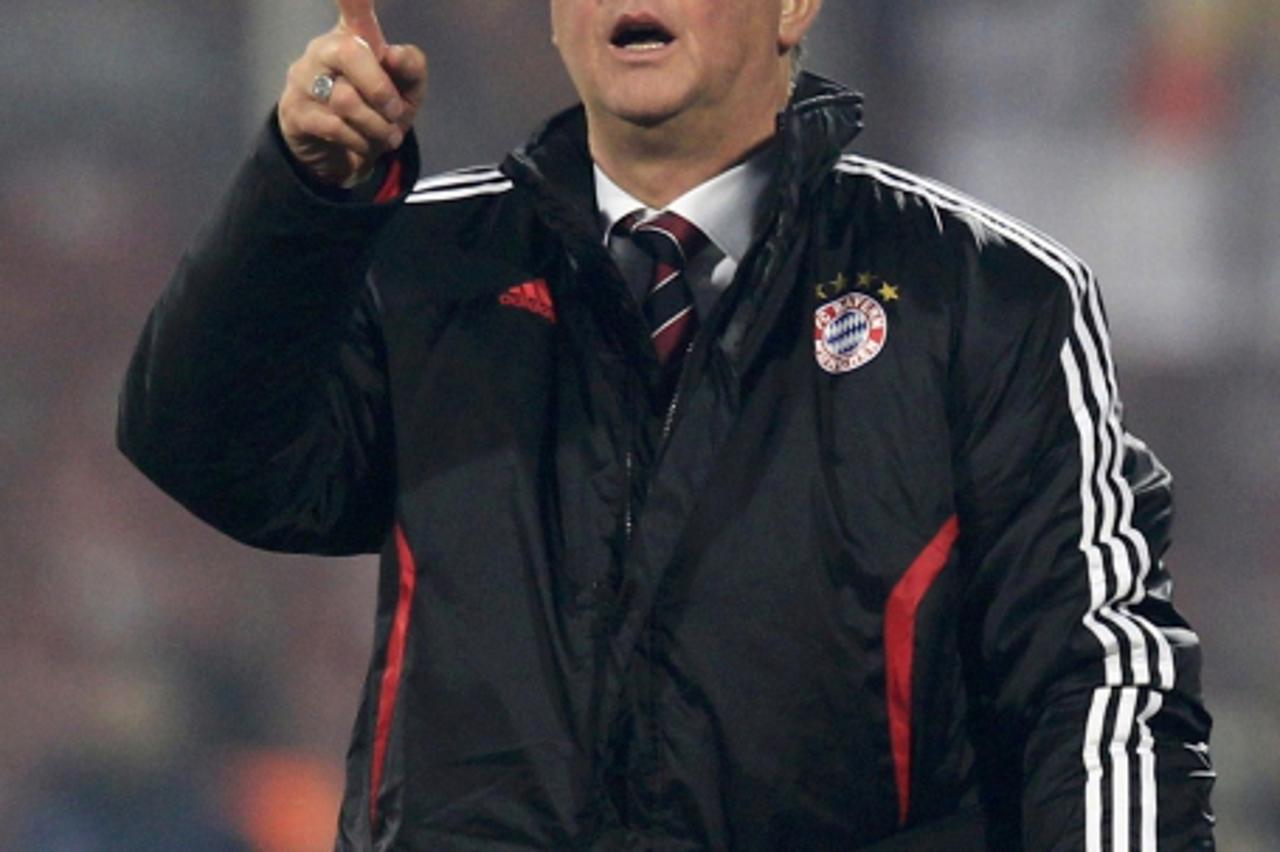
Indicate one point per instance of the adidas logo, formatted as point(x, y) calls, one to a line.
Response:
point(534, 296)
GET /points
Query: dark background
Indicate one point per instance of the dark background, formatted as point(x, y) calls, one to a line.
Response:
point(164, 688)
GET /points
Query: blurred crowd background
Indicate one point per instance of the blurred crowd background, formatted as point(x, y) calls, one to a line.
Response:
point(163, 688)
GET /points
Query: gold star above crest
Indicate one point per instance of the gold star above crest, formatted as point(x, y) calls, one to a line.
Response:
point(834, 287)
point(865, 280)
point(888, 292)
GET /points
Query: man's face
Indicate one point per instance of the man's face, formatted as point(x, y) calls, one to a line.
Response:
point(648, 61)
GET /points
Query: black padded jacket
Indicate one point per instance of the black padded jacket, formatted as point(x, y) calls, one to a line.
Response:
point(887, 570)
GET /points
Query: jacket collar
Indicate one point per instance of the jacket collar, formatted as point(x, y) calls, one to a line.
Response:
point(821, 118)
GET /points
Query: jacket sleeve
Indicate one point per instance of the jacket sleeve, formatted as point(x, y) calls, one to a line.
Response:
point(257, 394)
point(1087, 719)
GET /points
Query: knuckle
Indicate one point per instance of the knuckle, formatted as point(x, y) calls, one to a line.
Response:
point(328, 127)
point(319, 46)
point(295, 77)
point(358, 144)
point(382, 92)
point(344, 99)
point(298, 119)
point(287, 113)
point(348, 50)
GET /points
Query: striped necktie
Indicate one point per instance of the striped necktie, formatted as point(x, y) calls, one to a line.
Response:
point(671, 241)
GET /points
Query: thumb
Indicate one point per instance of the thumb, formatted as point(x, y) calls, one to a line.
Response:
point(359, 17)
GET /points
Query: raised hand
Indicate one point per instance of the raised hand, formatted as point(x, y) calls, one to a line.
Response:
point(338, 131)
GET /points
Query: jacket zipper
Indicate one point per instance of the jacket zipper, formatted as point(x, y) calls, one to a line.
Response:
point(668, 422)
point(670, 419)
point(671, 416)
point(628, 517)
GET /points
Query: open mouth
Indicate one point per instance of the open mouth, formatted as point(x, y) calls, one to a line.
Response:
point(640, 34)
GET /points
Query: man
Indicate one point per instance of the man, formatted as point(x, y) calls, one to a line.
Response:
point(731, 493)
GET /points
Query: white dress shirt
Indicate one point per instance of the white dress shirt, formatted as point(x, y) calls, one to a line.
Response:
point(725, 208)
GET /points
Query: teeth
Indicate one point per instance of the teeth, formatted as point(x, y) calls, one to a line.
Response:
point(646, 45)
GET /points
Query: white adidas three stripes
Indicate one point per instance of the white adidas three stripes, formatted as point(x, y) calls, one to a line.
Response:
point(1106, 529)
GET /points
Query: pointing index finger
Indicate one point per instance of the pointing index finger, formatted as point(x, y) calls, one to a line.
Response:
point(359, 17)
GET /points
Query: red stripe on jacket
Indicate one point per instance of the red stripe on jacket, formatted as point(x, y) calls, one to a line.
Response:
point(390, 189)
point(899, 642)
point(393, 670)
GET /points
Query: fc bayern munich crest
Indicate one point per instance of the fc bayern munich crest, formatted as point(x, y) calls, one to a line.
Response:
point(848, 332)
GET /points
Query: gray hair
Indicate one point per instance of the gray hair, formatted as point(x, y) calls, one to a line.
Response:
point(796, 55)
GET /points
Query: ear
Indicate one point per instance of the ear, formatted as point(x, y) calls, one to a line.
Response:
point(794, 21)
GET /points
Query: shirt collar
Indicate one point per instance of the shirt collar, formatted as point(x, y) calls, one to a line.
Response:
point(716, 206)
